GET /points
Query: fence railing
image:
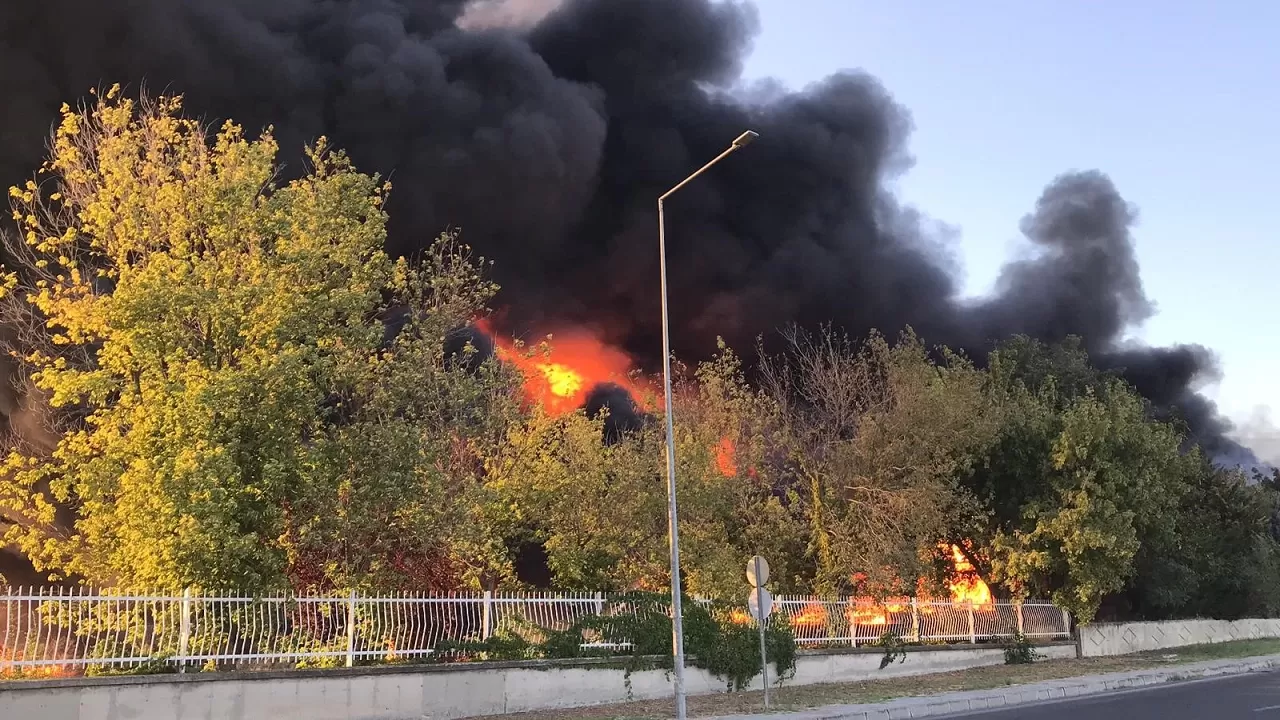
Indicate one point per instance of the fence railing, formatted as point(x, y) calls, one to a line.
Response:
point(70, 630)
point(816, 622)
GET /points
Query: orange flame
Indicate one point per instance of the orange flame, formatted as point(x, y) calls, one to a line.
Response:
point(42, 672)
point(726, 460)
point(741, 617)
point(812, 614)
point(968, 588)
point(560, 380)
point(865, 611)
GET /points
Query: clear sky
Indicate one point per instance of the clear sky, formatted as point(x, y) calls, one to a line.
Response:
point(1178, 101)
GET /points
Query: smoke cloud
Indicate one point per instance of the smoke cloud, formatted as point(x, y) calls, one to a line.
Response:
point(1261, 433)
point(546, 130)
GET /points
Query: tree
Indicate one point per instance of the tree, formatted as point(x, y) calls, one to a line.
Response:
point(1112, 477)
point(1218, 558)
point(875, 437)
point(600, 509)
point(227, 408)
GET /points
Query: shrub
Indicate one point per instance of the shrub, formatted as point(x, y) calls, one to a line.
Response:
point(1020, 651)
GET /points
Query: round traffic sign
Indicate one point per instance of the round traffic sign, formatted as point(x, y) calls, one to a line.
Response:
point(753, 604)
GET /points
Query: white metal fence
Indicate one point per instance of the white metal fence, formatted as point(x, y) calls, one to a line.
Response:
point(68, 630)
point(816, 622)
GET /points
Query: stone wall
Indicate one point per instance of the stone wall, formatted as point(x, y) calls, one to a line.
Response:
point(1124, 638)
point(438, 692)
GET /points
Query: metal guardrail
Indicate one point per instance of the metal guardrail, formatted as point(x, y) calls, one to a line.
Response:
point(55, 631)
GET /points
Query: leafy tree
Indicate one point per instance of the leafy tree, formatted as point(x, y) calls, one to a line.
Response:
point(875, 436)
point(226, 406)
point(600, 509)
point(739, 503)
point(1112, 476)
point(1218, 559)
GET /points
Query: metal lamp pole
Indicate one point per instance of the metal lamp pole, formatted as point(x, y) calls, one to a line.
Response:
point(677, 617)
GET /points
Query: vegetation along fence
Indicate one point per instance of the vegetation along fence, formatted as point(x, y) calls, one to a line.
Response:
point(67, 631)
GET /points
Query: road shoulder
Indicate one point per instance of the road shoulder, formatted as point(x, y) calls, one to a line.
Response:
point(1032, 693)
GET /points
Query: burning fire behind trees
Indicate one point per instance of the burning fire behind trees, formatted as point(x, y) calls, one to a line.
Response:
point(561, 373)
point(966, 585)
point(968, 591)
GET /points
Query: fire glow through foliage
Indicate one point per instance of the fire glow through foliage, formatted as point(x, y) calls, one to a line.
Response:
point(560, 375)
point(968, 590)
point(726, 457)
point(967, 587)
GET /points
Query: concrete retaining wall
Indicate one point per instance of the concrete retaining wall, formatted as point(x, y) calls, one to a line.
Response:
point(425, 693)
point(1124, 638)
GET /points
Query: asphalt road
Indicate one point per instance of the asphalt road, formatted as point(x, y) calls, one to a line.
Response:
point(1255, 696)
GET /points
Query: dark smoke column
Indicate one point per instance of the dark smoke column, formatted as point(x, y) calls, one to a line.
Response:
point(547, 142)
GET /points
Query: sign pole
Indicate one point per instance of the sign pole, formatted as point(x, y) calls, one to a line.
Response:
point(758, 575)
point(764, 657)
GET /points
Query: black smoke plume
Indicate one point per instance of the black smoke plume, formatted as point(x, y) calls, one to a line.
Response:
point(548, 143)
point(622, 414)
point(465, 347)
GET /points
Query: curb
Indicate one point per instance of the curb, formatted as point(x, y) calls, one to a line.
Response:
point(1013, 696)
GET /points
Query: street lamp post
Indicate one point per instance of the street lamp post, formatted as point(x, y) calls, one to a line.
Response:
point(677, 617)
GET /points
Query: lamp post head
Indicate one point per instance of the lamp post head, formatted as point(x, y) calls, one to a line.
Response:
point(745, 139)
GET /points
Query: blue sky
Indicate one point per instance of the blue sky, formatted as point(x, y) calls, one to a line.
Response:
point(1178, 101)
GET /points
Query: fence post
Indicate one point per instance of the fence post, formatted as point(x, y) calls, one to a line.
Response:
point(184, 631)
point(8, 625)
point(915, 621)
point(599, 603)
point(850, 615)
point(1017, 606)
point(351, 629)
point(486, 616)
point(973, 635)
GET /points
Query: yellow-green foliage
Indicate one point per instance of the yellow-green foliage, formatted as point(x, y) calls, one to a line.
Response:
point(209, 345)
point(203, 343)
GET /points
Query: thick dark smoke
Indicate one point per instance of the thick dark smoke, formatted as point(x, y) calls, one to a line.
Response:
point(623, 414)
point(548, 145)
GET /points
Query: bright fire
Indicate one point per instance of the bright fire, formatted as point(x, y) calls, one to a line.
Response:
point(868, 612)
point(559, 380)
point(968, 587)
point(812, 614)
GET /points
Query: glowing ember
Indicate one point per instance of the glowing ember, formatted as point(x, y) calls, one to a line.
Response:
point(560, 380)
point(726, 461)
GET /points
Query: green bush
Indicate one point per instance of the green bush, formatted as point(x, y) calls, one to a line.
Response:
point(713, 642)
point(1020, 651)
point(895, 649)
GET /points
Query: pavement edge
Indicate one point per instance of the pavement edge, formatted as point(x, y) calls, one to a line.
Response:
point(1017, 695)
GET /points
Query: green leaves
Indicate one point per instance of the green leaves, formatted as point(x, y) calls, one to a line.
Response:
point(1092, 475)
point(213, 398)
point(228, 413)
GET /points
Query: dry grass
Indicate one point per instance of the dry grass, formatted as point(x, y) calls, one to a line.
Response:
point(798, 698)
